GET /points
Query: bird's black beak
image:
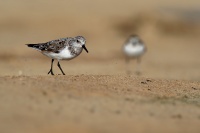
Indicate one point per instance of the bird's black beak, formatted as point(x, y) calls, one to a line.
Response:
point(83, 46)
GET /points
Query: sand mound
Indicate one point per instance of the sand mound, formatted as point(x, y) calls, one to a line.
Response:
point(92, 103)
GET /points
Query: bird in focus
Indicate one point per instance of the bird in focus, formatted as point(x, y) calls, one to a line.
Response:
point(61, 49)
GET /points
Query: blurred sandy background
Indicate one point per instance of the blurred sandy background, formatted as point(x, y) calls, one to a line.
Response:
point(170, 30)
point(86, 100)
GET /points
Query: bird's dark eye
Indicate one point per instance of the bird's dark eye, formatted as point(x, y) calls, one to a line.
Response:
point(78, 41)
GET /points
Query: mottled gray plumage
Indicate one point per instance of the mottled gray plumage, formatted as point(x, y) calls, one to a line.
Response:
point(54, 46)
point(61, 49)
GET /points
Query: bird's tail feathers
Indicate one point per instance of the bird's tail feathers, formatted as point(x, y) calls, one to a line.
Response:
point(34, 46)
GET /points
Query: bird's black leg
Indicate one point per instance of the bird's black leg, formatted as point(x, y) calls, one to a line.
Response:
point(138, 72)
point(127, 60)
point(60, 68)
point(51, 70)
point(138, 60)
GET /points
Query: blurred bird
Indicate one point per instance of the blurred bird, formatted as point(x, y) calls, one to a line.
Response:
point(61, 49)
point(134, 48)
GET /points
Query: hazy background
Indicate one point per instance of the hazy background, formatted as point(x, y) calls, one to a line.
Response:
point(169, 28)
point(96, 95)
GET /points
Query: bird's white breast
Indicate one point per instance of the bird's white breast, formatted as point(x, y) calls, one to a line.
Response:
point(134, 51)
point(63, 55)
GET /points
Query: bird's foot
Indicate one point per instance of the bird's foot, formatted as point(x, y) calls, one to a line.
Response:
point(138, 73)
point(51, 72)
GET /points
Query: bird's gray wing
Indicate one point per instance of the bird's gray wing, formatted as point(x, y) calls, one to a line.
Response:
point(52, 46)
point(56, 45)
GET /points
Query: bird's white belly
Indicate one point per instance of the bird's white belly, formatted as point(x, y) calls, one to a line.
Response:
point(63, 55)
point(134, 51)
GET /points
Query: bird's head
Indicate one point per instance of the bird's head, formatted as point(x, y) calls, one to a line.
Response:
point(80, 41)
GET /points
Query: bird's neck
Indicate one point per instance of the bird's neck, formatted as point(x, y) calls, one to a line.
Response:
point(76, 50)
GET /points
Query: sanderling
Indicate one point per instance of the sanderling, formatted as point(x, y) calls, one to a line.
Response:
point(134, 48)
point(61, 49)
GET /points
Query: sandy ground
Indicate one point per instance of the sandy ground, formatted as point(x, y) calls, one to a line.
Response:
point(92, 103)
point(96, 95)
